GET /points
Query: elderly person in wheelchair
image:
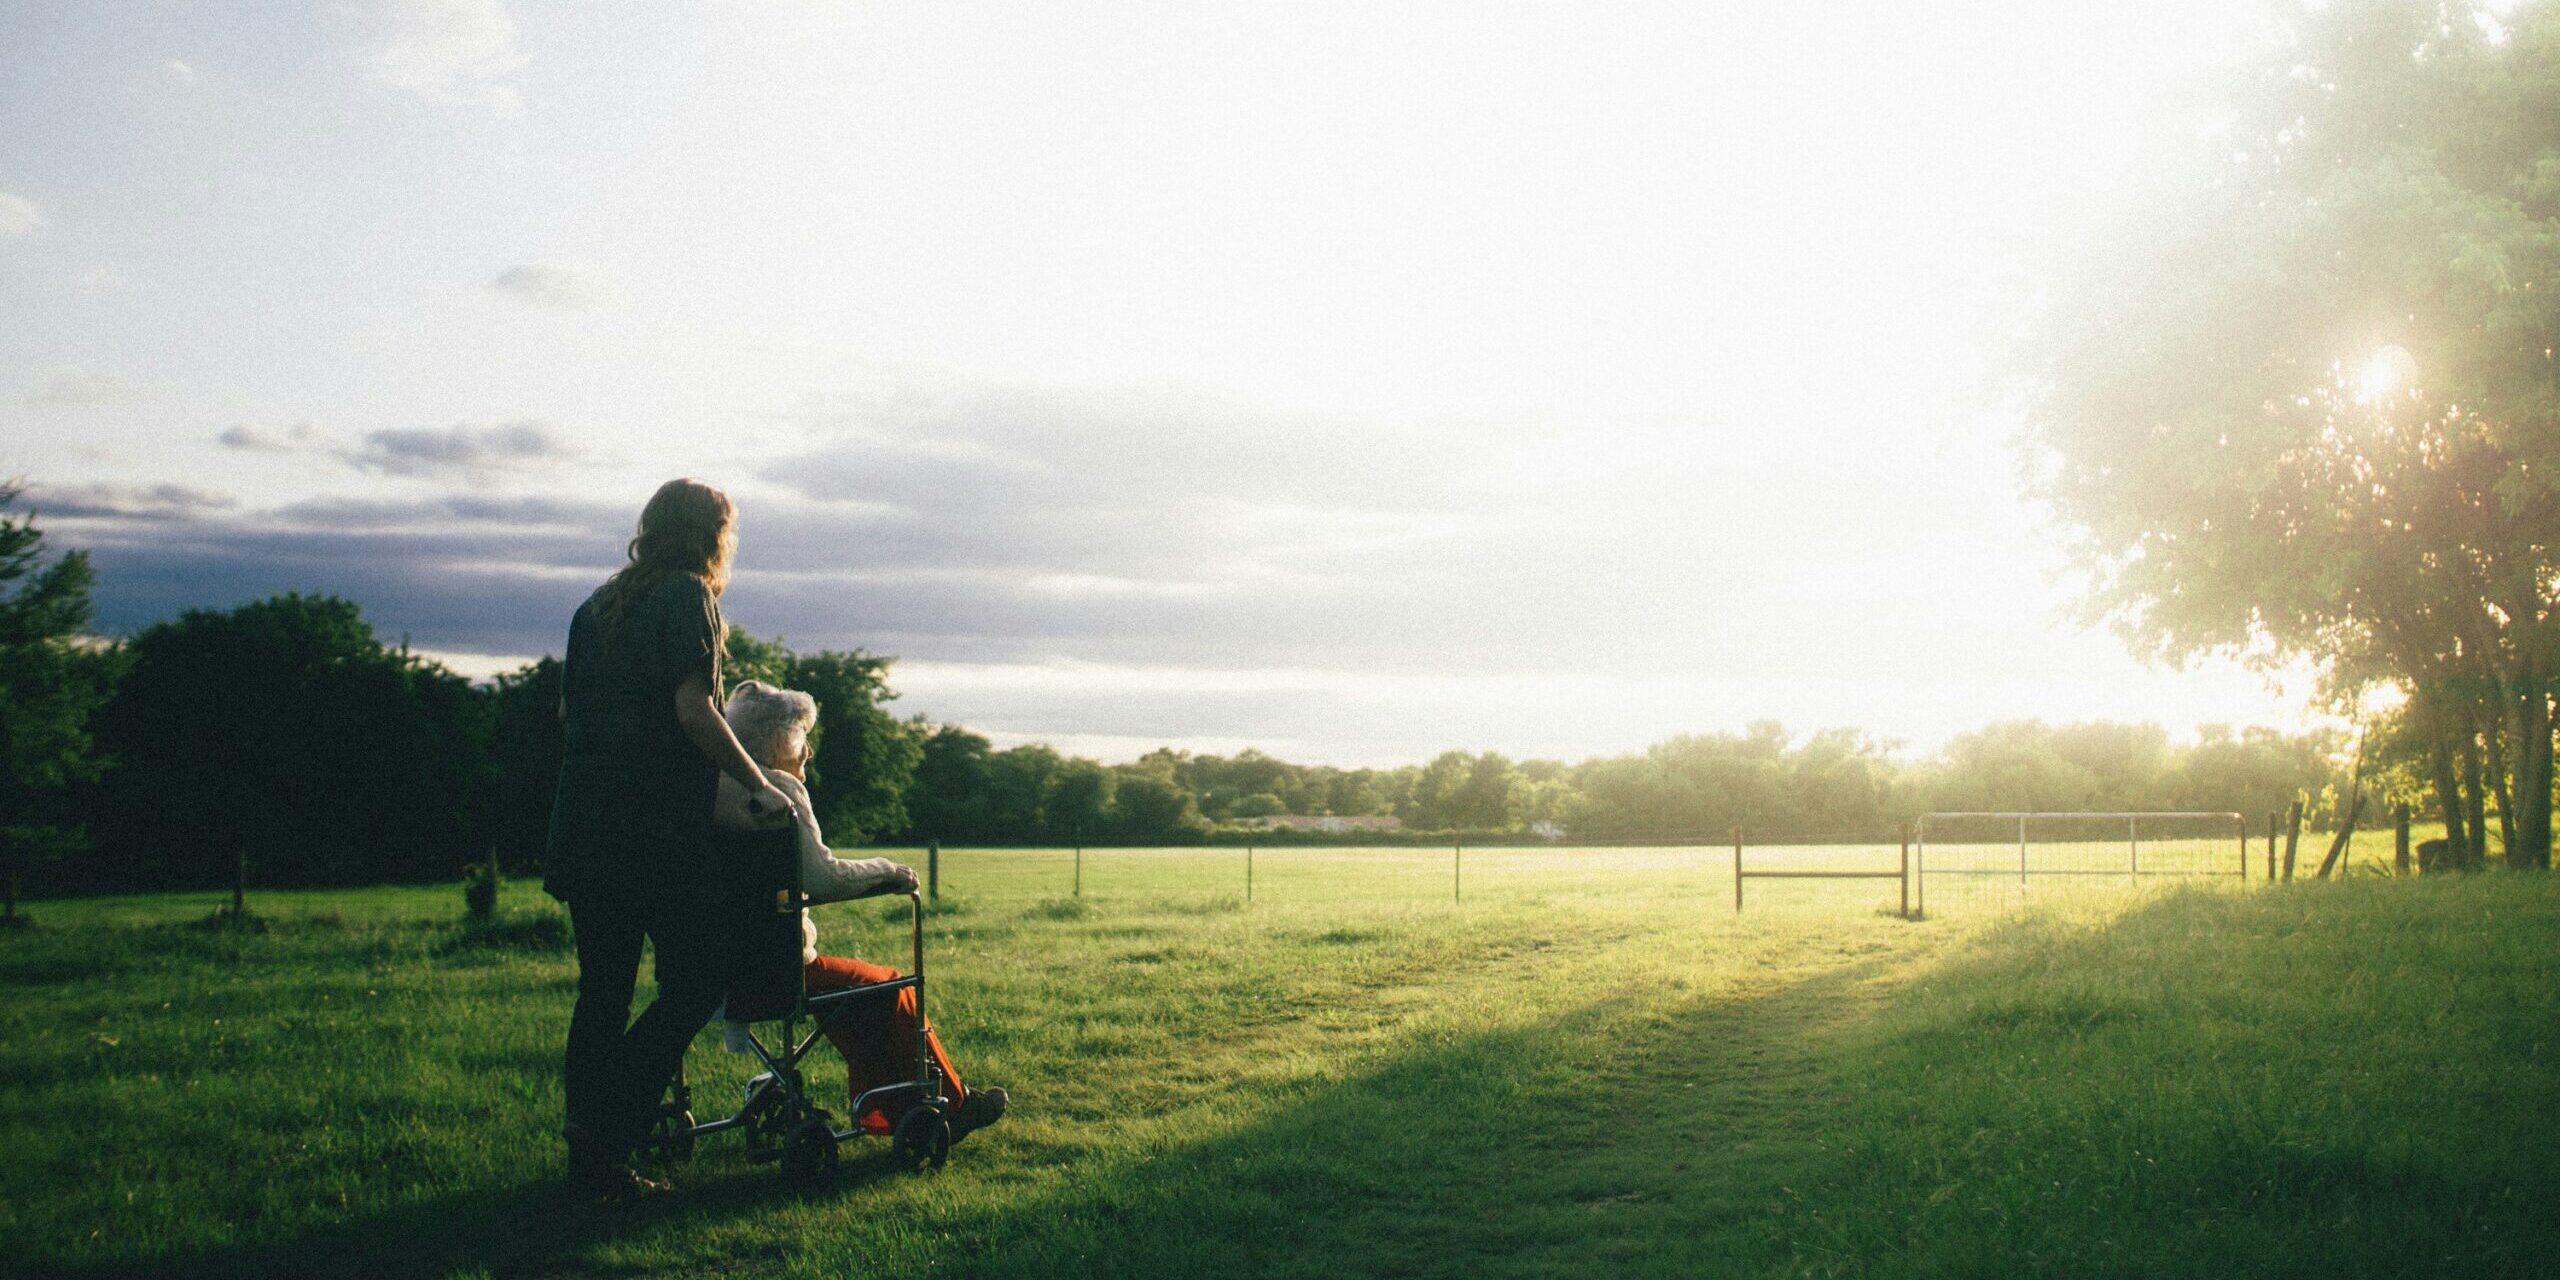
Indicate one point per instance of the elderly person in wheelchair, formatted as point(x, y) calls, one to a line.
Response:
point(876, 1036)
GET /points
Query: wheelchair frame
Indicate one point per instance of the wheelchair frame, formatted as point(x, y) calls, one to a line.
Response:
point(778, 1118)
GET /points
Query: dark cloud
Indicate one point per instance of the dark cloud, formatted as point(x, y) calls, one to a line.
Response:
point(1006, 525)
point(460, 450)
point(299, 436)
point(150, 503)
point(998, 523)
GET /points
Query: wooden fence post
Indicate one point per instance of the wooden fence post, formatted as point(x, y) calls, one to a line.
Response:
point(933, 870)
point(1906, 871)
point(2346, 833)
point(1737, 871)
point(2272, 820)
point(2400, 840)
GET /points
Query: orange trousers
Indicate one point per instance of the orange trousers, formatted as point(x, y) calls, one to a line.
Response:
point(877, 1036)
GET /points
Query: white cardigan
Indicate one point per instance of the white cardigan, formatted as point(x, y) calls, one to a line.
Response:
point(824, 877)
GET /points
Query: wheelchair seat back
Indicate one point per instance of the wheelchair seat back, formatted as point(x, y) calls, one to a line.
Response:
point(760, 915)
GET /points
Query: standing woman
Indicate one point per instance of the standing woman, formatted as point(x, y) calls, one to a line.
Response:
point(630, 826)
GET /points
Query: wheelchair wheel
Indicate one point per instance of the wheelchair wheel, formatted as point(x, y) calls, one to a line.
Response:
point(810, 1148)
point(922, 1138)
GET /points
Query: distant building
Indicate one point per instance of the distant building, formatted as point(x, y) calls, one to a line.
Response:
point(1326, 822)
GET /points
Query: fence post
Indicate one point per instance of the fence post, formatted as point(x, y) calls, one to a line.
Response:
point(2022, 851)
point(2133, 851)
point(1906, 871)
point(933, 870)
point(2400, 840)
point(2272, 820)
point(2241, 820)
point(1737, 871)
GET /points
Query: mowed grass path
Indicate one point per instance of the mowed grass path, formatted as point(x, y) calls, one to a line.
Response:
point(2347, 1078)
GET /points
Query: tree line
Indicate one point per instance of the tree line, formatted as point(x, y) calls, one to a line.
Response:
point(282, 742)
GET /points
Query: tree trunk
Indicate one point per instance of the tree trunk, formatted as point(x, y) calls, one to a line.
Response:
point(2496, 730)
point(2474, 801)
point(2449, 801)
point(2292, 838)
point(2529, 838)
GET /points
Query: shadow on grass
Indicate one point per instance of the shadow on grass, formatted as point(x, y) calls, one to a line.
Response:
point(528, 1227)
point(1517, 1152)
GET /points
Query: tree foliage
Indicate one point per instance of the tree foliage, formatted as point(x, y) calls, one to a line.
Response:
point(863, 756)
point(2304, 402)
point(283, 730)
point(51, 681)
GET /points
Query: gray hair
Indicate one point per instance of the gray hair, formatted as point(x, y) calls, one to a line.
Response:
point(767, 719)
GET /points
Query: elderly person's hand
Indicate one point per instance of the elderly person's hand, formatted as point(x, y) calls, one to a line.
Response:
point(903, 879)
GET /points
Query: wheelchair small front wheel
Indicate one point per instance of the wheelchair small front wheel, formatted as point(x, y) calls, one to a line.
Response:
point(671, 1138)
point(809, 1149)
point(922, 1138)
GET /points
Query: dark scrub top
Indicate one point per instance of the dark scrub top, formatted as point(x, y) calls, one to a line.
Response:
point(632, 816)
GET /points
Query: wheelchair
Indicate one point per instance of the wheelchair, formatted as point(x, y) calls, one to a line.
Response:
point(759, 903)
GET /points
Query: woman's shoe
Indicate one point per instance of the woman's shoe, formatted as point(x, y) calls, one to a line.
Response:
point(981, 1108)
point(611, 1184)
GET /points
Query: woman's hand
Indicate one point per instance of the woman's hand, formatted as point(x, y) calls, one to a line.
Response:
point(769, 806)
point(903, 880)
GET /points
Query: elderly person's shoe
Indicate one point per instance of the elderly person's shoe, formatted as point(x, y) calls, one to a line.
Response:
point(981, 1108)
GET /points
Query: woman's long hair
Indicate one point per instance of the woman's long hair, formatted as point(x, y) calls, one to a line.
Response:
point(688, 527)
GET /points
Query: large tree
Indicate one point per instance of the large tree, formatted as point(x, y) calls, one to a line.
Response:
point(2302, 399)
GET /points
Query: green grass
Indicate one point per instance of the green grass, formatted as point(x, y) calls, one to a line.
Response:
point(1582, 1069)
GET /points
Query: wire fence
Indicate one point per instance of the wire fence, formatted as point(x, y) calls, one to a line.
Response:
point(1959, 869)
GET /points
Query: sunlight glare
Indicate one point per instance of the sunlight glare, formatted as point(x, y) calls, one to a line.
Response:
point(2391, 370)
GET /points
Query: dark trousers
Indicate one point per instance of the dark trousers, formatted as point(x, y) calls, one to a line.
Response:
point(614, 1073)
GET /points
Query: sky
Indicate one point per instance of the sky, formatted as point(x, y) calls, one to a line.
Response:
point(1354, 381)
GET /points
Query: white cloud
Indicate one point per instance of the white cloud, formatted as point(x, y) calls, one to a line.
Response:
point(565, 286)
point(461, 51)
point(19, 216)
point(469, 451)
point(74, 390)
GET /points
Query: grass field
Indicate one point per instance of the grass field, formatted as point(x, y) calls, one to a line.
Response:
point(1590, 1066)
